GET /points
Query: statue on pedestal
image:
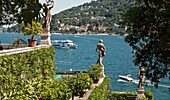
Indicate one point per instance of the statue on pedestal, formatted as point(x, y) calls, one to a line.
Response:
point(100, 48)
point(45, 37)
point(141, 77)
point(48, 15)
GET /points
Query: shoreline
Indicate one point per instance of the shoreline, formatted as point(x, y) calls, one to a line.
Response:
point(104, 34)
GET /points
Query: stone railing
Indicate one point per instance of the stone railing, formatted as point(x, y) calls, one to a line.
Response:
point(21, 50)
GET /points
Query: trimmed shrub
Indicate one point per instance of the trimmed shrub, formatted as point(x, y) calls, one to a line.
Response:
point(122, 95)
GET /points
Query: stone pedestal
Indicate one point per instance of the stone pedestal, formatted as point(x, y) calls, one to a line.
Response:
point(103, 71)
point(45, 38)
point(141, 83)
point(140, 93)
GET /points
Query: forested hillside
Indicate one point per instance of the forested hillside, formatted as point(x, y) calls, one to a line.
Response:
point(97, 16)
point(100, 16)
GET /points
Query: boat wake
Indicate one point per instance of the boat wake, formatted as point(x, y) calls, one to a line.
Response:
point(147, 83)
point(120, 80)
point(126, 78)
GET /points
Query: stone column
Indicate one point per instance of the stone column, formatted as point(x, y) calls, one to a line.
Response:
point(141, 84)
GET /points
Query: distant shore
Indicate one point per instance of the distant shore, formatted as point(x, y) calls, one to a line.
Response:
point(75, 33)
point(89, 34)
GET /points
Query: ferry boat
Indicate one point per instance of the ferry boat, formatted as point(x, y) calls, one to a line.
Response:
point(64, 44)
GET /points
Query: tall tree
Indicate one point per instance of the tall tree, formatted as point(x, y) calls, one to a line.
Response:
point(149, 35)
point(12, 11)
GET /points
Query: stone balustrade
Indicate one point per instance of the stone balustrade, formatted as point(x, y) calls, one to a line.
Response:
point(21, 50)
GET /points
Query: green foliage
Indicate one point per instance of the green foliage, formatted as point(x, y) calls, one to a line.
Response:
point(95, 71)
point(149, 34)
point(73, 30)
point(121, 32)
point(101, 92)
point(53, 89)
point(149, 95)
point(35, 28)
point(19, 11)
point(122, 95)
point(83, 81)
point(19, 71)
point(80, 83)
point(48, 89)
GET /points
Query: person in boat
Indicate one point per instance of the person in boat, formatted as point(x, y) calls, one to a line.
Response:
point(101, 52)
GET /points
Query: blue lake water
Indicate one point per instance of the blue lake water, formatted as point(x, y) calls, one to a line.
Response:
point(118, 60)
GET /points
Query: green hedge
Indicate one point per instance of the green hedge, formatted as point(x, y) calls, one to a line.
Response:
point(31, 75)
point(124, 95)
point(19, 70)
point(102, 92)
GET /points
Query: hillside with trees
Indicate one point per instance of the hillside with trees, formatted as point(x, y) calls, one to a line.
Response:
point(100, 16)
point(97, 16)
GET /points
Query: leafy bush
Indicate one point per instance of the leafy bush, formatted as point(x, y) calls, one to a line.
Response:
point(53, 90)
point(149, 95)
point(18, 71)
point(80, 83)
point(102, 92)
point(48, 89)
point(95, 71)
point(35, 28)
point(83, 81)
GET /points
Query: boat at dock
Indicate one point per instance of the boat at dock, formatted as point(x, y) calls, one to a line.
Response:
point(64, 44)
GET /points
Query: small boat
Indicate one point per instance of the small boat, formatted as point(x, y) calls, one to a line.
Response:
point(127, 77)
point(64, 44)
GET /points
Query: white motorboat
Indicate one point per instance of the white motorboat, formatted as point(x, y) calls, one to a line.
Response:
point(64, 44)
point(127, 77)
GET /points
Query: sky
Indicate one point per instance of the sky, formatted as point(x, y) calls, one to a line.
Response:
point(60, 5)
